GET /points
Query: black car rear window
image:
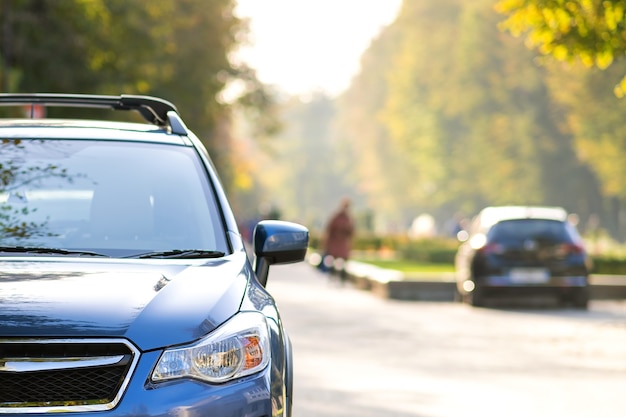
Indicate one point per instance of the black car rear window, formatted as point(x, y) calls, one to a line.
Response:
point(523, 229)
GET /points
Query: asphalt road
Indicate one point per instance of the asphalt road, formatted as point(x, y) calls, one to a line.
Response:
point(360, 355)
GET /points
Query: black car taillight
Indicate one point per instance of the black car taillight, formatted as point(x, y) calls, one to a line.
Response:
point(491, 249)
point(570, 249)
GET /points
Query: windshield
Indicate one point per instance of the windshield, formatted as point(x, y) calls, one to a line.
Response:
point(109, 197)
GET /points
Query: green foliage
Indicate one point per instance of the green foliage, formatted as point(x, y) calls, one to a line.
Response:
point(14, 214)
point(610, 265)
point(176, 50)
point(433, 251)
point(450, 115)
point(364, 139)
point(365, 242)
point(595, 120)
point(603, 265)
point(591, 31)
point(411, 268)
point(399, 248)
point(437, 255)
point(302, 172)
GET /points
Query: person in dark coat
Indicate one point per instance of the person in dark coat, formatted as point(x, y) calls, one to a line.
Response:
point(338, 239)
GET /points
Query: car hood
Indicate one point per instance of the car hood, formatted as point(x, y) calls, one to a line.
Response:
point(153, 303)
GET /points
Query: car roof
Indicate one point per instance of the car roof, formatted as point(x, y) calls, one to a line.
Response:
point(87, 129)
point(492, 215)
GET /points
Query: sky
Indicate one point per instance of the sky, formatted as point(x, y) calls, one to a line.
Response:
point(306, 46)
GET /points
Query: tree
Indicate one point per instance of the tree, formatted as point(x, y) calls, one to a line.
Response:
point(592, 31)
point(450, 114)
point(15, 174)
point(176, 50)
point(590, 36)
point(306, 175)
point(362, 133)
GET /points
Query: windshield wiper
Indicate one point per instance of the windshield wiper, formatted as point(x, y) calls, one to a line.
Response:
point(47, 251)
point(180, 254)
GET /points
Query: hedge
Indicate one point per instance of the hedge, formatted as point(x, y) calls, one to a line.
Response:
point(440, 250)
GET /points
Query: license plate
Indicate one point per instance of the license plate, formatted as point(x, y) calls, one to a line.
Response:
point(529, 275)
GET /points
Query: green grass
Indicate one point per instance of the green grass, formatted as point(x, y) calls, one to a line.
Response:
point(408, 267)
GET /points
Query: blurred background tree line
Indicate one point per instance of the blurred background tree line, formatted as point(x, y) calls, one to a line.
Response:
point(175, 50)
point(458, 105)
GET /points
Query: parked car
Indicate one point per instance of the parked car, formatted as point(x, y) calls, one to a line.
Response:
point(522, 251)
point(125, 285)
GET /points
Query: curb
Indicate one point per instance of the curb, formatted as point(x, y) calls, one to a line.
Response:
point(393, 284)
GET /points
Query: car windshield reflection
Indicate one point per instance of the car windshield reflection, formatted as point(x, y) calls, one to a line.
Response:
point(110, 197)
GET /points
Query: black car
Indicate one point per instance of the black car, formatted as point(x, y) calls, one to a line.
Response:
point(522, 251)
point(126, 287)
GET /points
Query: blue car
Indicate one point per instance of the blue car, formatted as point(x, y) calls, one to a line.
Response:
point(126, 288)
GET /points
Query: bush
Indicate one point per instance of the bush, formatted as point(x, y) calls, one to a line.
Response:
point(365, 242)
point(433, 250)
point(441, 250)
point(436, 250)
point(609, 265)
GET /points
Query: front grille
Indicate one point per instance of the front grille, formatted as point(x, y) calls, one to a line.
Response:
point(68, 375)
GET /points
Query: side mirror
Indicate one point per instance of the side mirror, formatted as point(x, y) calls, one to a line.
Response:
point(278, 242)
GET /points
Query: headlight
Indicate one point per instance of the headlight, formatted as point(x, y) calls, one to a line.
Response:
point(238, 348)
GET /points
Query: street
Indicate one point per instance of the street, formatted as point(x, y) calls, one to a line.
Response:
point(359, 355)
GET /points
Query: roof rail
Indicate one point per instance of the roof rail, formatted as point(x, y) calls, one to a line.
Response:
point(152, 109)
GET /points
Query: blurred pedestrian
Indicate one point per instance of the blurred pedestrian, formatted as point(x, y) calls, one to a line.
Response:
point(337, 240)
